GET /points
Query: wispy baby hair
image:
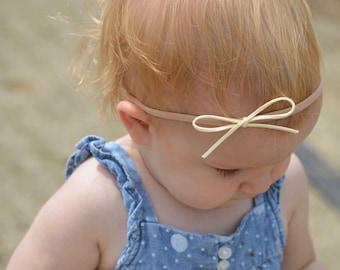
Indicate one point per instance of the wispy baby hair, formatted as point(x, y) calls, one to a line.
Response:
point(161, 48)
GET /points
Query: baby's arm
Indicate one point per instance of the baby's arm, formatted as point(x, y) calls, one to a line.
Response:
point(299, 252)
point(73, 229)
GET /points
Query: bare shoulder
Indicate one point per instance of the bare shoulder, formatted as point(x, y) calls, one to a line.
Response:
point(73, 228)
point(299, 251)
point(98, 192)
point(295, 188)
point(105, 213)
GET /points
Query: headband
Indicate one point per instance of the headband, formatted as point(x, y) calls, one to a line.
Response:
point(221, 123)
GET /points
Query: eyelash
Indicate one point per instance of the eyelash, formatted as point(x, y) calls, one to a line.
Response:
point(227, 173)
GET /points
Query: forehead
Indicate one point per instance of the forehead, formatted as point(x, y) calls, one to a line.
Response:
point(251, 148)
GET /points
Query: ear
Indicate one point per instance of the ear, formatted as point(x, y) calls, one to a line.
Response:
point(135, 120)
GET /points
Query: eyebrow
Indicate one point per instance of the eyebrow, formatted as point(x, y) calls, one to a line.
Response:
point(190, 118)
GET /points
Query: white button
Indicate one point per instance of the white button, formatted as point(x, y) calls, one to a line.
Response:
point(179, 242)
point(223, 265)
point(224, 253)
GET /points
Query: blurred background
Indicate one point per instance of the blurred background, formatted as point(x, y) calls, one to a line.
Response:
point(42, 117)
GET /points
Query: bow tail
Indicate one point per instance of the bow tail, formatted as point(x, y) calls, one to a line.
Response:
point(222, 139)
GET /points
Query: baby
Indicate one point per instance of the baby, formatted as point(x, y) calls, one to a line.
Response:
point(215, 95)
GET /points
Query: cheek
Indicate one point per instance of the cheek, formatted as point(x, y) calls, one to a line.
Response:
point(195, 186)
point(280, 169)
point(199, 190)
point(181, 141)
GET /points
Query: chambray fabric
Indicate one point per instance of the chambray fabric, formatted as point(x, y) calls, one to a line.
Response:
point(257, 243)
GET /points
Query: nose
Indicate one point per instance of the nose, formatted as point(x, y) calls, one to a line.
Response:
point(256, 186)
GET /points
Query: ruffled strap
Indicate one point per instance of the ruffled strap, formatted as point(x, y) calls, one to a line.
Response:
point(272, 196)
point(113, 156)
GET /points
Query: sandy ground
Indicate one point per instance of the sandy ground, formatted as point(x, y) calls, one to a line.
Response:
point(42, 116)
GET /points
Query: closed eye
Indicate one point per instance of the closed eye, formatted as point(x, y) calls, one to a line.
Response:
point(227, 173)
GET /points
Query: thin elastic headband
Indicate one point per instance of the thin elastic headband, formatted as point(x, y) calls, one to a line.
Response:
point(252, 120)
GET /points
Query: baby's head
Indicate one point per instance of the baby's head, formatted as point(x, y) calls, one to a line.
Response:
point(223, 57)
point(160, 51)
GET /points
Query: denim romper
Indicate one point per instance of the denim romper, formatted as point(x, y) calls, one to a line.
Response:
point(257, 243)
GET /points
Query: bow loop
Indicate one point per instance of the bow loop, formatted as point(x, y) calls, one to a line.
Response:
point(252, 120)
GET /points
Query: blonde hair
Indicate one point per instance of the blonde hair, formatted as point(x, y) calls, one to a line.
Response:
point(161, 48)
